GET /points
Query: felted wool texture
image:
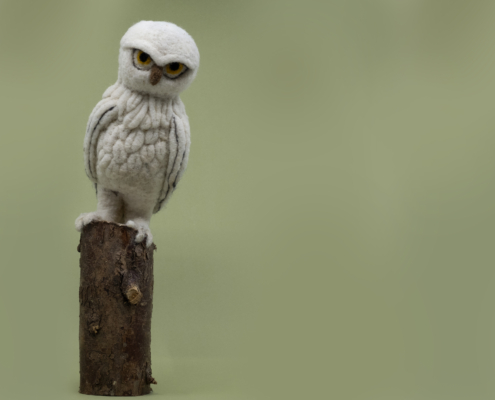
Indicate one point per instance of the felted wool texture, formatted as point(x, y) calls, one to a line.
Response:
point(165, 43)
point(137, 139)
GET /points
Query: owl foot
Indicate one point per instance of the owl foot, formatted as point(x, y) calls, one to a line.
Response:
point(86, 218)
point(143, 230)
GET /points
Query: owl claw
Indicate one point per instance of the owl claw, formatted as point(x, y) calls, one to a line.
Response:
point(86, 218)
point(143, 231)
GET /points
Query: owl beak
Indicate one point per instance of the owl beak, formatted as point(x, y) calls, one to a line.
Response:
point(156, 74)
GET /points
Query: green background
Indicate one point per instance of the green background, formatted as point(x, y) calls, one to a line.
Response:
point(333, 236)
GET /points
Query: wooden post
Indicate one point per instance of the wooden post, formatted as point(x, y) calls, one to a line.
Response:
point(115, 296)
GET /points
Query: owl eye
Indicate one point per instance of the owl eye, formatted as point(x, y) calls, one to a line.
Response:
point(142, 60)
point(173, 70)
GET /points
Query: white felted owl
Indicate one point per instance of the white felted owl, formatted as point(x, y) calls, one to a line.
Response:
point(137, 139)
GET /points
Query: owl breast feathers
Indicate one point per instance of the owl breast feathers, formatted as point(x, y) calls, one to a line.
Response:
point(137, 142)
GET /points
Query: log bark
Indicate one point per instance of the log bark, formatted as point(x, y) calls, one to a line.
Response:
point(115, 296)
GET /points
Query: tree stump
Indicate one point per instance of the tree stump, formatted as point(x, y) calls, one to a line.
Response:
point(115, 296)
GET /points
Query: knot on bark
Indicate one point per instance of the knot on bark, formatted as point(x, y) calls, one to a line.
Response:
point(150, 379)
point(133, 294)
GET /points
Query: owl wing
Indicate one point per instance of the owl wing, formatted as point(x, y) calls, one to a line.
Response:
point(179, 143)
point(103, 114)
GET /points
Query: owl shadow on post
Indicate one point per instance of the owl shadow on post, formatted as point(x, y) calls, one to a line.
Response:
point(136, 149)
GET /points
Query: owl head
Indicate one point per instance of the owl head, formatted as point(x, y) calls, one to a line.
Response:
point(157, 58)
